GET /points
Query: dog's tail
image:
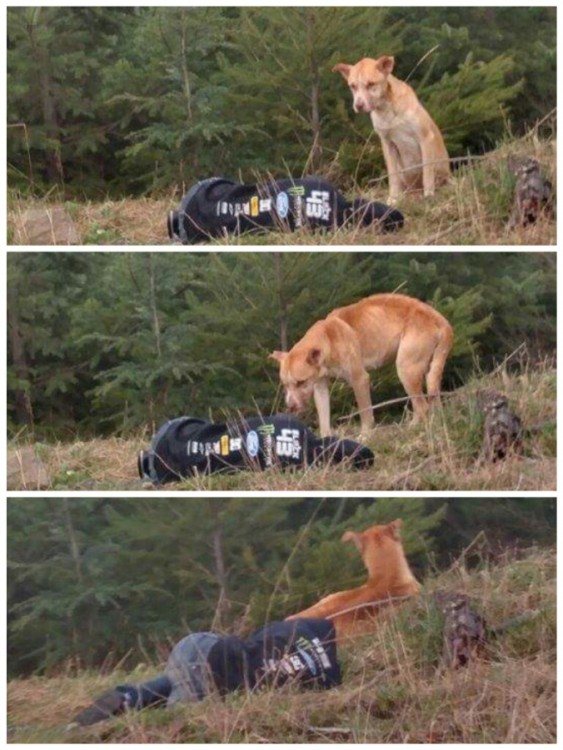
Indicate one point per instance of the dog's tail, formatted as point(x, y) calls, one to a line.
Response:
point(438, 361)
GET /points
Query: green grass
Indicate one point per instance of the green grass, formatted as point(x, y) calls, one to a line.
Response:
point(473, 209)
point(395, 687)
point(440, 454)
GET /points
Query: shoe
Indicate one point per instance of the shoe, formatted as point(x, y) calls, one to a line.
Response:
point(111, 703)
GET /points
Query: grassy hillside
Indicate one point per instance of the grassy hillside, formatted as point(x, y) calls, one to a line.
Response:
point(395, 688)
point(473, 210)
point(439, 455)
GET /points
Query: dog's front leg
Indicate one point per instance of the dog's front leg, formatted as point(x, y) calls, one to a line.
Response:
point(321, 395)
point(428, 165)
point(393, 171)
point(359, 380)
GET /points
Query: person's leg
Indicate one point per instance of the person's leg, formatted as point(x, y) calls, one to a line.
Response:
point(188, 670)
point(148, 693)
point(124, 698)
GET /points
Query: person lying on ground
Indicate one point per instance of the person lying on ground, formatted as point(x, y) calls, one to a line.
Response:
point(301, 652)
point(188, 446)
point(217, 207)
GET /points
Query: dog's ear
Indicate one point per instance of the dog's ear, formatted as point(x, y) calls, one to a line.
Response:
point(353, 536)
point(314, 357)
point(395, 528)
point(278, 356)
point(386, 64)
point(343, 69)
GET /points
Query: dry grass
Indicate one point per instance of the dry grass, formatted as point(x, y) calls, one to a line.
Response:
point(439, 455)
point(394, 687)
point(141, 221)
point(473, 210)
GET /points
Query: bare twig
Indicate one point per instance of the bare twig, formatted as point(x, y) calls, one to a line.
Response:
point(401, 478)
point(393, 401)
point(508, 358)
point(422, 59)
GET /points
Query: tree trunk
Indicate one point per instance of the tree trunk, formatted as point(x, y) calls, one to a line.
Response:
point(153, 307)
point(282, 302)
point(223, 604)
point(185, 71)
point(316, 150)
point(73, 543)
point(24, 409)
point(77, 641)
point(53, 162)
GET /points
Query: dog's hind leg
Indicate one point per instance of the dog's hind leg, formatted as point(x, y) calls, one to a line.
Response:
point(412, 364)
point(412, 378)
point(437, 365)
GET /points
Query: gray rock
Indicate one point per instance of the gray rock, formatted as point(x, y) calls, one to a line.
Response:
point(50, 225)
point(26, 471)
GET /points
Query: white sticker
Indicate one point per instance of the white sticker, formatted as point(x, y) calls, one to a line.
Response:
point(317, 205)
point(252, 444)
point(282, 205)
point(288, 444)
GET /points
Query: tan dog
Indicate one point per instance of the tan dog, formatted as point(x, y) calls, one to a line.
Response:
point(413, 147)
point(368, 334)
point(389, 578)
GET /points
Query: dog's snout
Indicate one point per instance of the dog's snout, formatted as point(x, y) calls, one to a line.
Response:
point(360, 105)
point(293, 404)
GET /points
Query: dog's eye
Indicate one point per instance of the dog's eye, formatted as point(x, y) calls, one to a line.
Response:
point(299, 383)
point(371, 84)
point(353, 86)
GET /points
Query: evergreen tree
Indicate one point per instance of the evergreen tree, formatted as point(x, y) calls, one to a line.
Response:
point(57, 127)
point(281, 90)
point(132, 100)
point(165, 96)
point(130, 327)
point(105, 342)
point(44, 371)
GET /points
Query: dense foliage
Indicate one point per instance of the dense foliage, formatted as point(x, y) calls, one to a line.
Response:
point(101, 343)
point(131, 100)
point(95, 580)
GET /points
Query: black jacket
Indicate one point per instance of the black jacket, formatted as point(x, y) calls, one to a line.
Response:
point(187, 446)
point(301, 651)
point(217, 207)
